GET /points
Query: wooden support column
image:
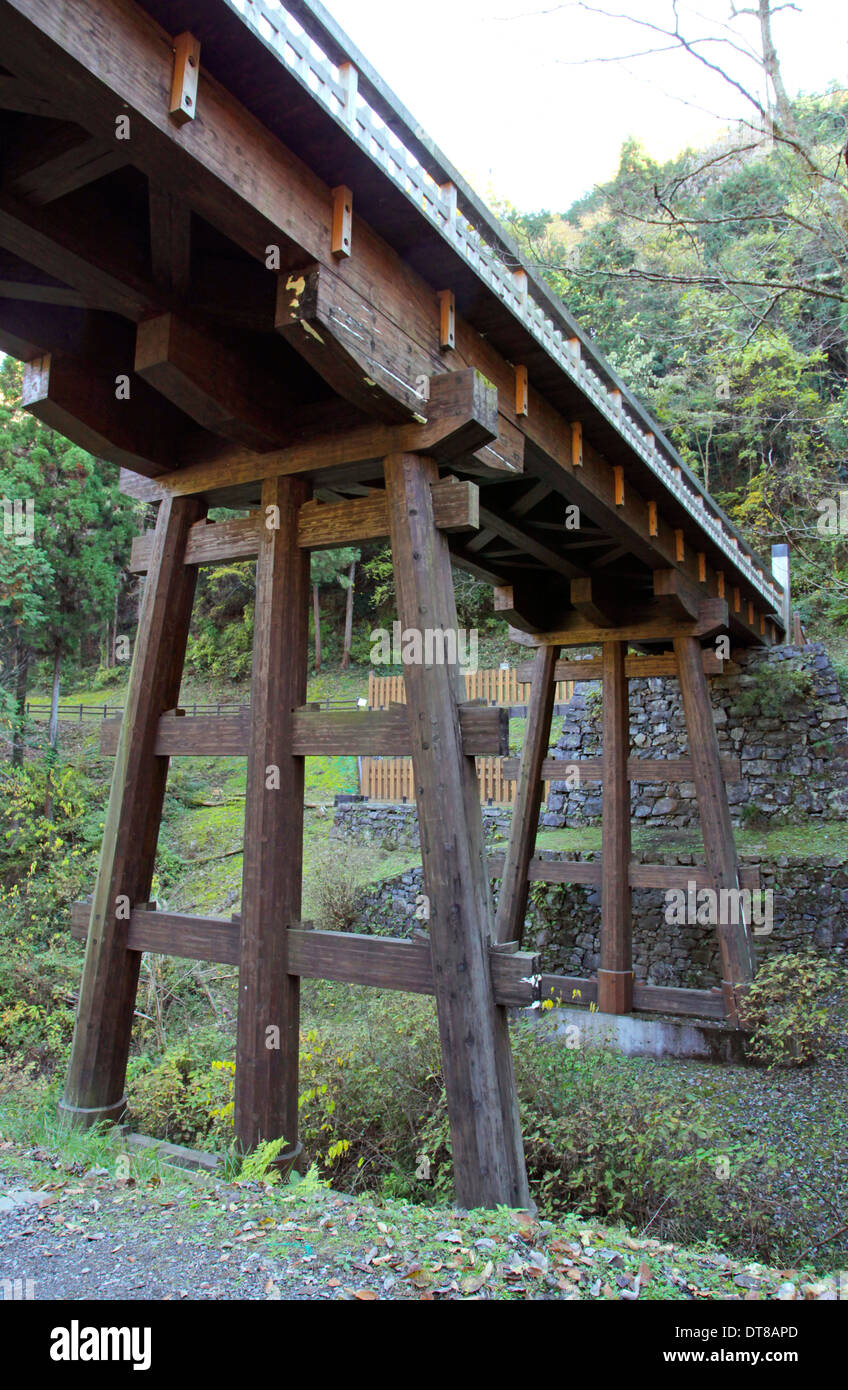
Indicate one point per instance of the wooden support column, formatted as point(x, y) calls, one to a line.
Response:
point(476, 1058)
point(615, 976)
point(735, 943)
point(97, 1071)
point(512, 903)
point(269, 998)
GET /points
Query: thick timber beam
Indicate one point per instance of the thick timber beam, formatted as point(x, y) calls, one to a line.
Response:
point(487, 1150)
point(216, 386)
point(97, 1070)
point(512, 903)
point(266, 1091)
point(615, 973)
point(461, 415)
point(81, 402)
point(735, 942)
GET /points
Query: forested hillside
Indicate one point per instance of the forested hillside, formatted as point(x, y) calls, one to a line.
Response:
point(717, 285)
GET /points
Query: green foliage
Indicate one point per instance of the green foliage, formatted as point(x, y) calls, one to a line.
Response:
point(338, 877)
point(774, 690)
point(55, 590)
point(796, 1010)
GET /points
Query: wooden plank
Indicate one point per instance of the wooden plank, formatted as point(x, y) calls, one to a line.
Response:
point(170, 240)
point(692, 1003)
point(735, 941)
point(711, 618)
point(320, 525)
point(552, 870)
point(615, 973)
point(675, 596)
point(268, 1041)
point(639, 875)
point(173, 934)
point(316, 733)
point(512, 902)
point(649, 770)
point(214, 385)
point(384, 962)
point(94, 1088)
point(79, 401)
point(461, 413)
point(324, 526)
point(476, 1058)
point(636, 667)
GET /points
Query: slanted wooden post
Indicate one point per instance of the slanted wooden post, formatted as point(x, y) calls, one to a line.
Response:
point(97, 1071)
point(476, 1059)
point(512, 902)
point(735, 943)
point(269, 998)
point(615, 976)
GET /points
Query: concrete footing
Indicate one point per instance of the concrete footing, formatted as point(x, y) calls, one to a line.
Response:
point(643, 1035)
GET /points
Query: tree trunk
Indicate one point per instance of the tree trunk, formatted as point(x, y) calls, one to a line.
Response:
point(316, 612)
point(21, 677)
point(53, 726)
point(348, 631)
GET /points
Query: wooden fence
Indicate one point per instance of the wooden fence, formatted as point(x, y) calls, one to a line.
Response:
point(391, 779)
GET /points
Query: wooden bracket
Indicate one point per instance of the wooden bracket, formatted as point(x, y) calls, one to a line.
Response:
point(653, 522)
point(521, 391)
point(618, 478)
point(447, 319)
point(183, 106)
point(342, 234)
point(576, 442)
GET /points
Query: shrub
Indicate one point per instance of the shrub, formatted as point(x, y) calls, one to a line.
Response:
point(772, 689)
point(795, 1010)
point(339, 873)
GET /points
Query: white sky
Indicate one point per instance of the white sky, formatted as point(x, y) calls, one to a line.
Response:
point(505, 88)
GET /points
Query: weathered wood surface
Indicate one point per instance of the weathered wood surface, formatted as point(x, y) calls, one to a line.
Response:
point(735, 941)
point(316, 733)
point(512, 903)
point(94, 1089)
point(268, 1042)
point(321, 525)
point(386, 962)
point(636, 667)
point(638, 769)
point(693, 1003)
point(476, 1057)
point(639, 875)
point(615, 973)
point(712, 617)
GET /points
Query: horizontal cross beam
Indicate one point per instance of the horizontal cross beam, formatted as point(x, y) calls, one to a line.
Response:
point(385, 962)
point(712, 617)
point(382, 961)
point(638, 769)
point(635, 668)
point(317, 733)
point(639, 875)
point(321, 526)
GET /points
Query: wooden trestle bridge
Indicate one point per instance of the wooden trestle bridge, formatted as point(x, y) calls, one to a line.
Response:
point(235, 266)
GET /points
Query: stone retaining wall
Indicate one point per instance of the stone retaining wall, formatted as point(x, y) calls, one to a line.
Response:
point(810, 909)
point(794, 760)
